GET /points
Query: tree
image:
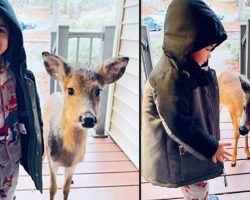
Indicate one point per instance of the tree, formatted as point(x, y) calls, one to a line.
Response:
point(241, 10)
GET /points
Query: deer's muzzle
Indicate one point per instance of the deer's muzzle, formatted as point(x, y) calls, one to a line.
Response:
point(243, 130)
point(88, 120)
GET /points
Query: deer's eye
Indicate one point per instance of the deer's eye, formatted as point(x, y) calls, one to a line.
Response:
point(71, 91)
point(98, 92)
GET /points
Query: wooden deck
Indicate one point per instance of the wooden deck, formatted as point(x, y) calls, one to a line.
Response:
point(238, 177)
point(106, 174)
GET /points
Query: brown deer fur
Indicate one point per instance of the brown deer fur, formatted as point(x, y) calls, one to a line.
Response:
point(234, 95)
point(69, 114)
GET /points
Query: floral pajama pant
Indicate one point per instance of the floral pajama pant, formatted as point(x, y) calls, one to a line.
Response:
point(197, 191)
point(8, 180)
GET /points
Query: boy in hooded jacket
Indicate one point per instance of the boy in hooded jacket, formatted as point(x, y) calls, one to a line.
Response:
point(21, 139)
point(180, 109)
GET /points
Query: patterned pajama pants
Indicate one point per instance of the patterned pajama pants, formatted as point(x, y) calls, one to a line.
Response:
point(8, 180)
point(197, 191)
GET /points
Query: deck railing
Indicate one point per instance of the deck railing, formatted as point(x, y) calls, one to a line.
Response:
point(60, 41)
point(245, 49)
point(146, 55)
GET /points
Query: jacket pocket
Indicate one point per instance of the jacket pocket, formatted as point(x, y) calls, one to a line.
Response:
point(4, 158)
point(190, 165)
point(10, 150)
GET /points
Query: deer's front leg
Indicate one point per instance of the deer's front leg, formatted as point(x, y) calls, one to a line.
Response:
point(68, 177)
point(53, 185)
point(247, 147)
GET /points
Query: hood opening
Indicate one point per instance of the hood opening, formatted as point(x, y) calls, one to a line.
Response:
point(190, 25)
point(15, 53)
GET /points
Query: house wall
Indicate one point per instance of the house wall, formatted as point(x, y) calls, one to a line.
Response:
point(123, 109)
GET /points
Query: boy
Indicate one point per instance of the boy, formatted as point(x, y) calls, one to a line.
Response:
point(20, 116)
point(180, 110)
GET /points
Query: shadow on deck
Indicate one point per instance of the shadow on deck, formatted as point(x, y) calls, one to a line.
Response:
point(106, 174)
point(238, 177)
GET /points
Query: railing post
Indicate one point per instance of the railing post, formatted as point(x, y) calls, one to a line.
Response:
point(62, 50)
point(107, 43)
point(63, 41)
point(146, 57)
point(248, 50)
point(53, 40)
point(106, 52)
point(243, 49)
point(146, 53)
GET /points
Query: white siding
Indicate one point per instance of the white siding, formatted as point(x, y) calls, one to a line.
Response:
point(123, 110)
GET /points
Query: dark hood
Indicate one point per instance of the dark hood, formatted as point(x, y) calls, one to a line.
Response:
point(15, 54)
point(190, 25)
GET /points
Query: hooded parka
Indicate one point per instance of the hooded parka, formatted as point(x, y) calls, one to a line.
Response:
point(180, 109)
point(29, 112)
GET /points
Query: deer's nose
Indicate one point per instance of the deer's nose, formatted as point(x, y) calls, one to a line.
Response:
point(243, 130)
point(88, 120)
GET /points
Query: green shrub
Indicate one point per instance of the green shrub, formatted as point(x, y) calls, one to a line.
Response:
point(234, 48)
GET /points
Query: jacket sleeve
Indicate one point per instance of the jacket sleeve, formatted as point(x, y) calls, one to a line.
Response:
point(173, 98)
point(30, 75)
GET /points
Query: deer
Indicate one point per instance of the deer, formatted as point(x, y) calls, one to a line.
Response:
point(234, 92)
point(68, 115)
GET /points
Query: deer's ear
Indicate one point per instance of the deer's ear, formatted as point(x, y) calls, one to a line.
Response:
point(111, 70)
point(56, 67)
point(245, 84)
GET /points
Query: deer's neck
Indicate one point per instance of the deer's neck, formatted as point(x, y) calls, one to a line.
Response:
point(73, 135)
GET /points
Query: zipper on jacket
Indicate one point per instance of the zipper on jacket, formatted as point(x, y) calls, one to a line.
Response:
point(225, 177)
point(214, 85)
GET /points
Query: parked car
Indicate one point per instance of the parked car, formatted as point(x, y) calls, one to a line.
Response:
point(159, 16)
point(152, 24)
point(27, 25)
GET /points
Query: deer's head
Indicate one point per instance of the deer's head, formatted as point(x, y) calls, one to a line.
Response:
point(245, 118)
point(82, 87)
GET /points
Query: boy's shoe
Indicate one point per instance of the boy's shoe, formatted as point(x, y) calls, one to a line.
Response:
point(213, 197)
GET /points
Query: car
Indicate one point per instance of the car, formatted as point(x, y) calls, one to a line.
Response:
point(152, 24)
point(26, 26)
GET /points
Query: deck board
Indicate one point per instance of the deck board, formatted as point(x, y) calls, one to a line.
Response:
point(238, 177)
point(105, 156)
point(94, 167)
point(86, 180)
point(107, 193)
point(106, 174)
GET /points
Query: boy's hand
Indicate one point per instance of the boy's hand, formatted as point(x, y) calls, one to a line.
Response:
point(222, 154)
